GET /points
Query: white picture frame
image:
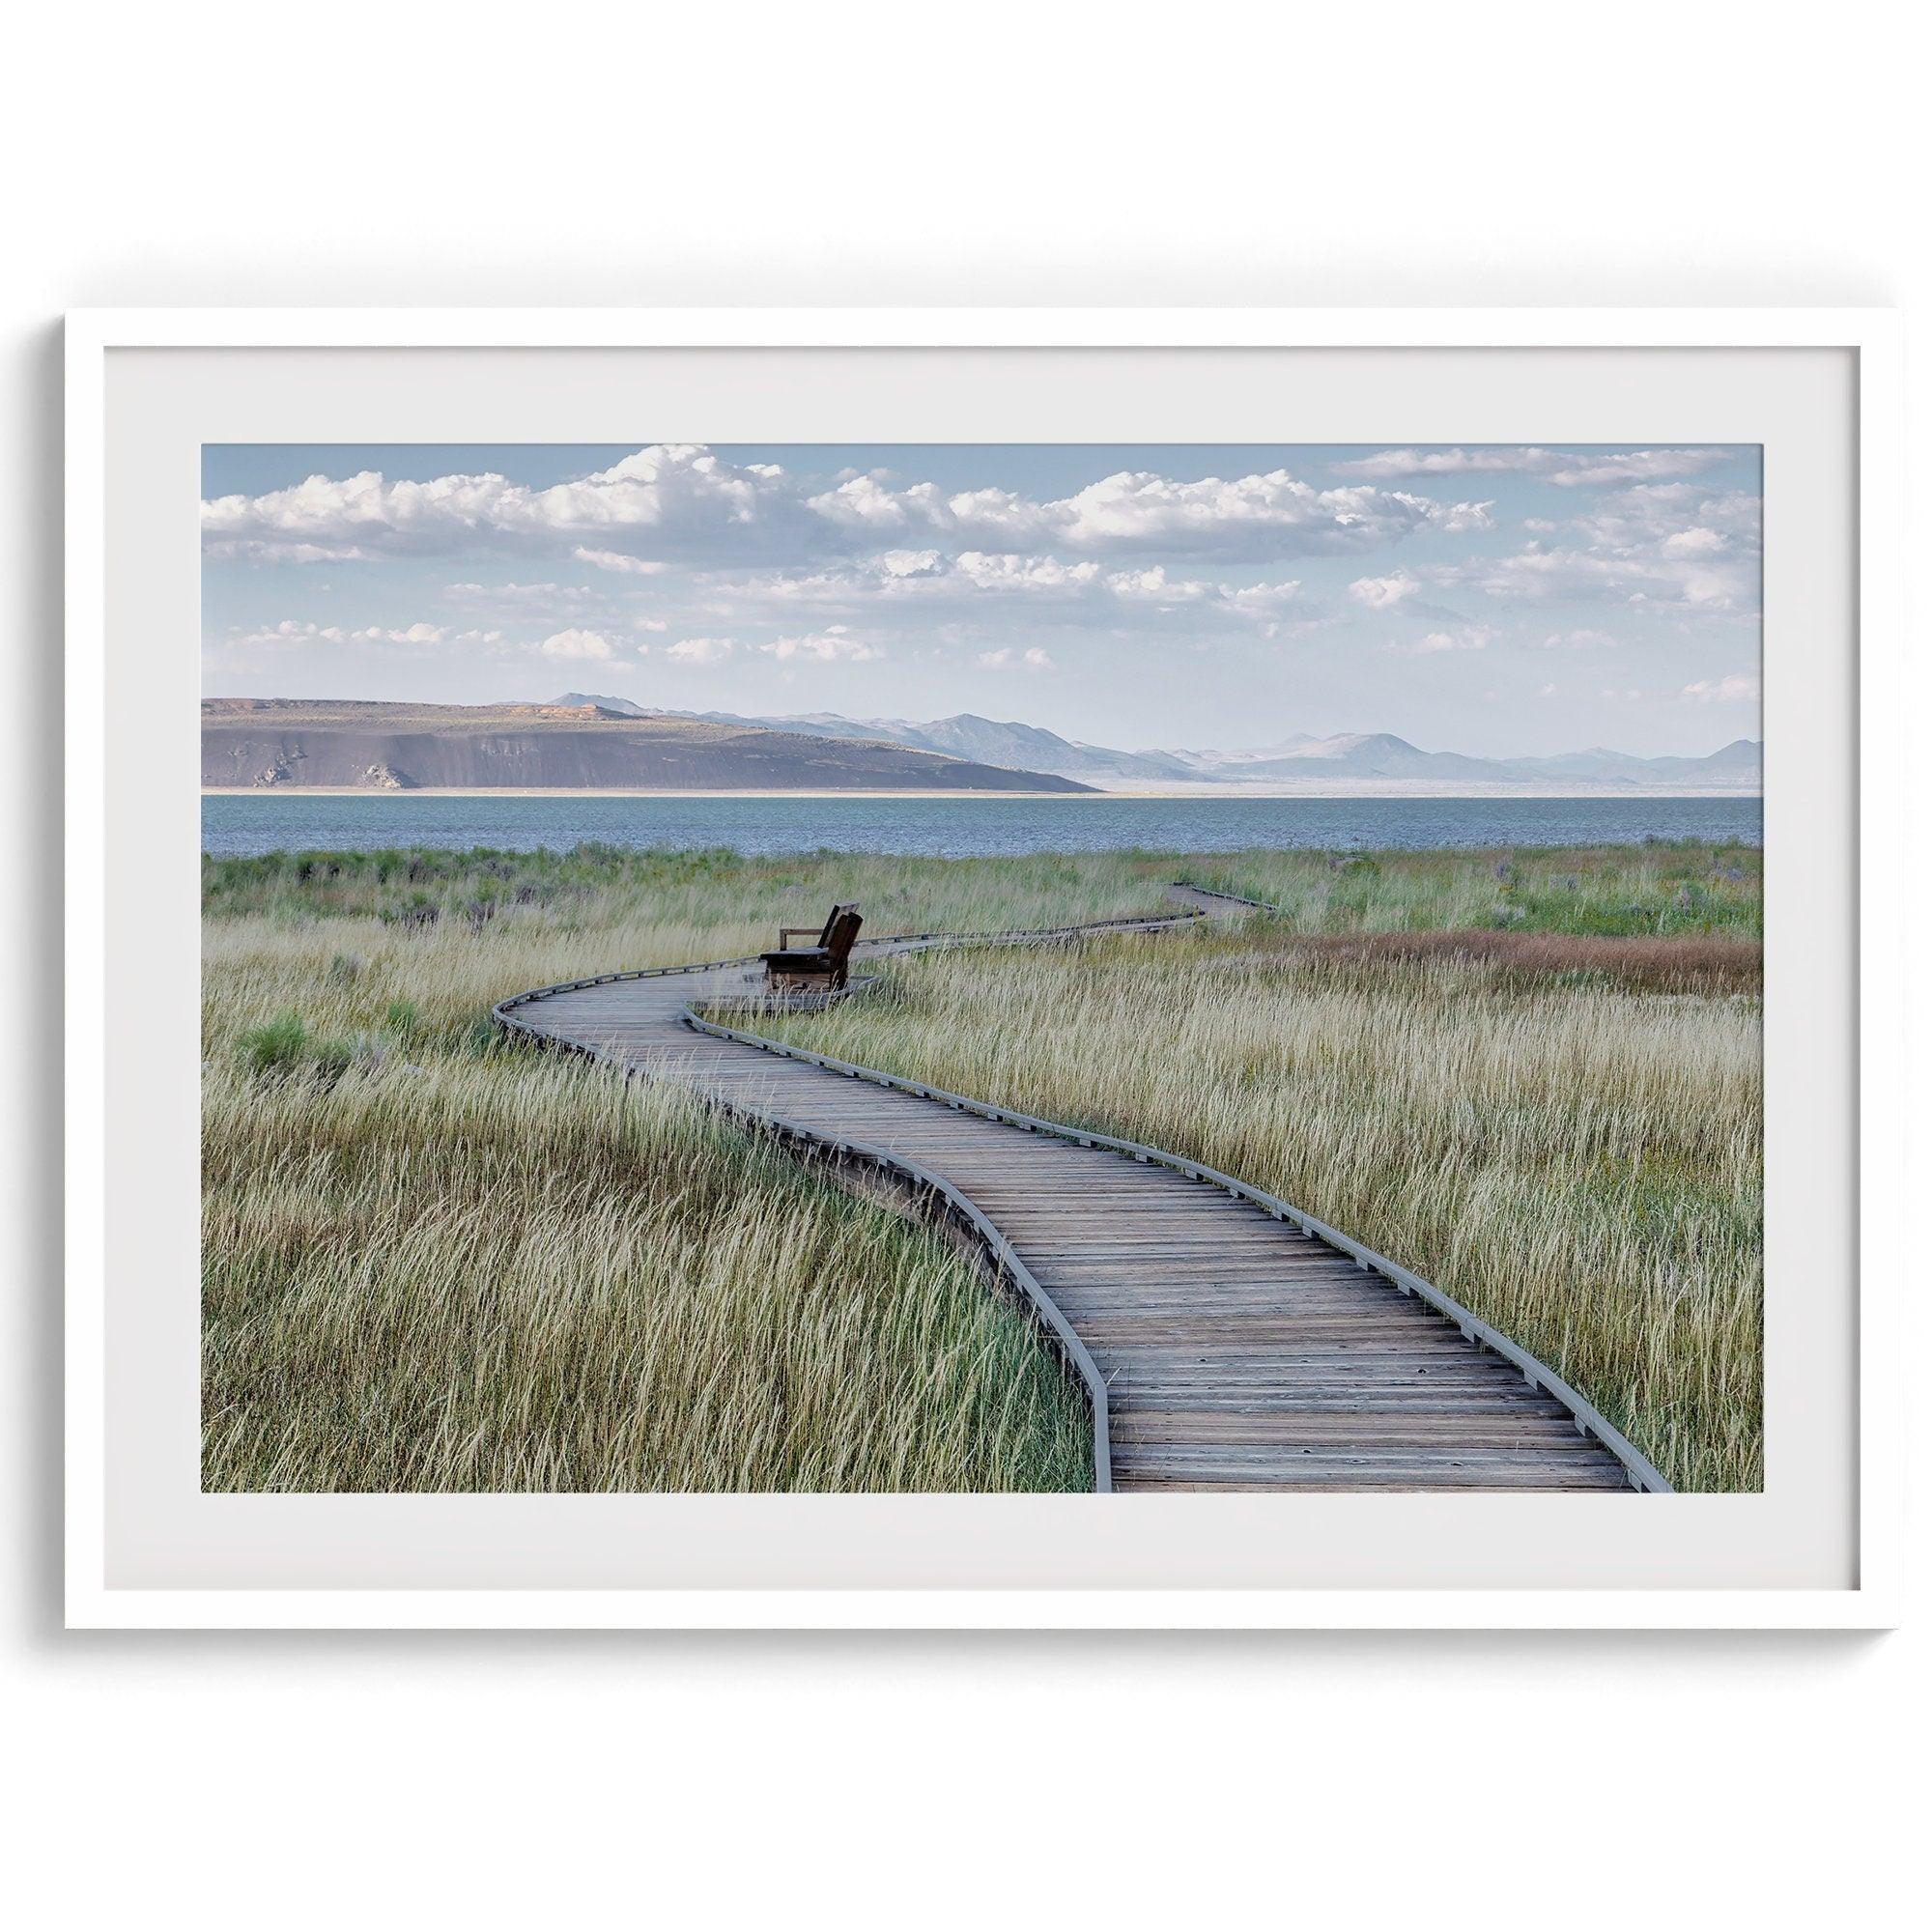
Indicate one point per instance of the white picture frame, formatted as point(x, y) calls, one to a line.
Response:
point(1868, 1596)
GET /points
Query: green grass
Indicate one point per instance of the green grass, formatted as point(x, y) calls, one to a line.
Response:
point(1671, 889)
point(1658, 890)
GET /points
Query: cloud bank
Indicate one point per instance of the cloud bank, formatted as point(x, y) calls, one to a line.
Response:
point(680, 502)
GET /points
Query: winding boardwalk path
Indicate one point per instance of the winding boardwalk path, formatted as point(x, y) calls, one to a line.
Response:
point(1227, 1340)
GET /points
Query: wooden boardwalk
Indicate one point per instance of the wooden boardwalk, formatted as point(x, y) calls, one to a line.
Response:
point(1227, 1341)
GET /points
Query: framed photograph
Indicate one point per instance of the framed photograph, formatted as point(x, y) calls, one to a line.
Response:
point(983, 968)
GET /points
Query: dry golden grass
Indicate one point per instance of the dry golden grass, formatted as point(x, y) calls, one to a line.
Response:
point(1577, 1160)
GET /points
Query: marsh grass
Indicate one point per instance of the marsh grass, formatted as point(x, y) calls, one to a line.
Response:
point(324, 934)
point(432, 1261)
point(435, 1260)
point(524, 1274)
point(1715, 965)
point(1681, 889)
point(1576, 1157)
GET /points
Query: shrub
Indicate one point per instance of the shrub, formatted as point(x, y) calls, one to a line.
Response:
point(416, 913)
point(286, 1046)
point(278, 1045)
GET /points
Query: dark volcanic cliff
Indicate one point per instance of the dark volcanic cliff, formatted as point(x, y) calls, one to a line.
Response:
point(265, 742)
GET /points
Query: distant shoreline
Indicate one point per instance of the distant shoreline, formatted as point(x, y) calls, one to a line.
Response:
point(609, 791)
point(1214, 794)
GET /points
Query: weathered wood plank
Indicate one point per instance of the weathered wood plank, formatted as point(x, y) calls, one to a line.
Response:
point(1485, 1469)
point(1349, 1428)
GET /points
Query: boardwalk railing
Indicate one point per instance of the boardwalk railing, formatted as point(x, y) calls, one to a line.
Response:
point(1643, 1475)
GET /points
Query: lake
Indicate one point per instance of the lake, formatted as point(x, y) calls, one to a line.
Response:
point(958, 828)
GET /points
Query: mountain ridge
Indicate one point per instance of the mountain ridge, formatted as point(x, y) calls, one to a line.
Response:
point(1379, 756)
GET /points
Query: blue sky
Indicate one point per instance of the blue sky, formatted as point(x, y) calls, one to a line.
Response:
point(1491, 599)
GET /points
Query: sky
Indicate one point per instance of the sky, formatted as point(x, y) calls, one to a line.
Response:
point(1497, 600)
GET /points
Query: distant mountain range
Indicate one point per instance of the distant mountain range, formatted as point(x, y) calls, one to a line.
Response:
point(1379, 754)
point(1364, 758)
point(981, 740)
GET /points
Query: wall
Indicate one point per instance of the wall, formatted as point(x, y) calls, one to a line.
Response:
point(1000, 154)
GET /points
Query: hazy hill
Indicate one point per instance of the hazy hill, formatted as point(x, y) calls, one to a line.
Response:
point(969, 736)
point(269, 741)
point(624, 707)
point(1740, 761)
point(1371, 754)
point(1374, 756)
point(966, 736)
point(1217, 762)
point(1380, 755)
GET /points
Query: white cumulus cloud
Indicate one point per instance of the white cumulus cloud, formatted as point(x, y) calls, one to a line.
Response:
point(1260, 516)
point(614, 559)
point(573, 643)
point(823, 647)
point(1384, 593)
point(977, 584)
point(682, 502)
point(671, 499)
point(1739, 685)
point(297, 631)
point(1602, 568)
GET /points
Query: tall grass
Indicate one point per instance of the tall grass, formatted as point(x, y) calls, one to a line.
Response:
point(339, 936)
point(520, 1273)
point(432, 1261)
point(435, 1261)
point(1576, 1160)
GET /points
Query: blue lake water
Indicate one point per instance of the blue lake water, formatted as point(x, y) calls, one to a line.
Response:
point(957, 828)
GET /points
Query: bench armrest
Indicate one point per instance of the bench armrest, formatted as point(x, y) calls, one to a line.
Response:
point(785, 932)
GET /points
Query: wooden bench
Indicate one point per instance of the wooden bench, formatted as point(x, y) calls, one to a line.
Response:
point(821, 965)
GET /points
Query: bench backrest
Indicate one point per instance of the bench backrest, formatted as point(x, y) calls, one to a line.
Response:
point(840, 930)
